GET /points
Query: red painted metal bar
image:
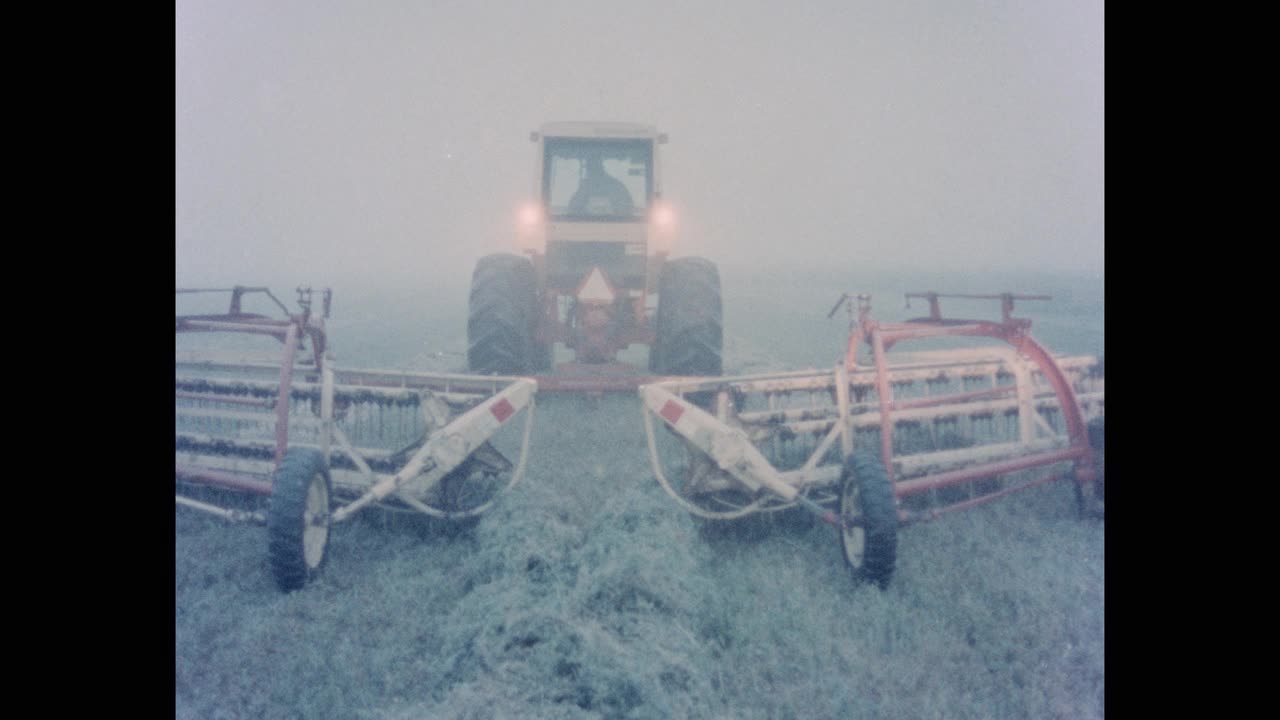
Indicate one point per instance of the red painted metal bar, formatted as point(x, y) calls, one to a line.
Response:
point(1011, 330)
point(252, 318)
point(276, 329)
point(286, 384)
point(956, 477)
point(1006, 301)
point(223, 479)
point(908, 516)
point(987, 296)
point(1014, 333)
point(895, 333)
point(237, 293)
point(1077, 432)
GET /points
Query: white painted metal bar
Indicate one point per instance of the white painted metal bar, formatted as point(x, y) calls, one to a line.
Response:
point(449, 447)
point(730, 448)
point(261, 445)
point(225, 513)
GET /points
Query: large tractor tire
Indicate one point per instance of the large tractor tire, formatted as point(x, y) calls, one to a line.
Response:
point(870, 543)
point(690, 330)
point(503, 316)
point(542, 355)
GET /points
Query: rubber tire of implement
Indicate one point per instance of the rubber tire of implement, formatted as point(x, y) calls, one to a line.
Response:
point(1092, 507)
point(300, 479)
point(865, 491)
point(690, 331)
point(503, 315)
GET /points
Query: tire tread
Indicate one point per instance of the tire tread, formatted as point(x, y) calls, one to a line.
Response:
point(879, 511)
point(286, 517)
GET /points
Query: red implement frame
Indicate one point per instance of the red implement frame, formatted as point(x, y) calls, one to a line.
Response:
point(765, 442)
point(881, 336)
point(288, 330)
point(413, 427)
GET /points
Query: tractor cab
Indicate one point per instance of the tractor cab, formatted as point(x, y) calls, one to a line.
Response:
point(597, 180)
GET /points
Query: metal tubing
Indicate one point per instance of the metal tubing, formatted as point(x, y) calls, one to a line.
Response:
point(1070, 407)
point(885, 393)
point(1013, 331)
point(238, 291)
point(948, 399)
point(730, 448)
point(840, 430)
point(275, 328)
point(955, 477)
point(656, 463)
point(221, 479)
point(897, 332)
point(827, 516)
point(326, 412)
point(908, 516)
point(224, 513)
point(487, 384)
point(282, 401)
point(239, 415)
point(842, 407)
point(230, 399)
point(553, 384)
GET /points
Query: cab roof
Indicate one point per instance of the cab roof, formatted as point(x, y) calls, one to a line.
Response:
point(600, 129)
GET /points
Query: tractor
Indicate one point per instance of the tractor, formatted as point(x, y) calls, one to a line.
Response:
point(594, 259)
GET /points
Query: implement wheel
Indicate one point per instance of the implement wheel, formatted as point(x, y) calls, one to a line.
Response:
point(690, 332)
point(870, 542)
point(464, 492)
point(503, 316)
point(298, 519)
point(1091, 502)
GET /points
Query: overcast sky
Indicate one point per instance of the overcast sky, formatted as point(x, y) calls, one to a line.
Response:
point(321, 142)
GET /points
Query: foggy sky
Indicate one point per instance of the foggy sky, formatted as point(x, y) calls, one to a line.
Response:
point(318, 142)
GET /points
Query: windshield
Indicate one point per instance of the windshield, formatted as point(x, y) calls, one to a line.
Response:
point(598, 180)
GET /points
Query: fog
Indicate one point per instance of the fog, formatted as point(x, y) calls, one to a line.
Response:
point(341, 142)
point(816, 147)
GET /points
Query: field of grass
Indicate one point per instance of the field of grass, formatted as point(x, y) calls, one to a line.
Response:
point(587, 593)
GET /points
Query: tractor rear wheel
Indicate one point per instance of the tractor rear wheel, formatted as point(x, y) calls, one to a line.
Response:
point(503, 316)
point(542, 356)
point(690, 331)
point(298, 518)
point(870, 542)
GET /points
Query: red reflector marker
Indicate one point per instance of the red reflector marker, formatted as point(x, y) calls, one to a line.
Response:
point(671, 412)
point(502, 410)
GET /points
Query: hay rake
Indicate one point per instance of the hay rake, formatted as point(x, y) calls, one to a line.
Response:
point(323, 442)
point(870, 447)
